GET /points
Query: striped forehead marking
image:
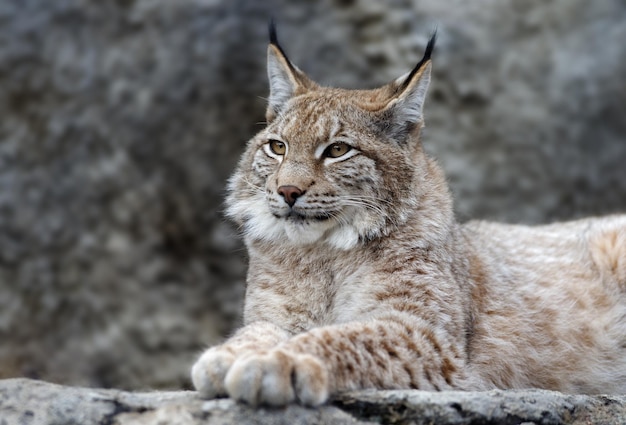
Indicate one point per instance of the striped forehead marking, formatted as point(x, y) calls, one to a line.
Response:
point(311, 123)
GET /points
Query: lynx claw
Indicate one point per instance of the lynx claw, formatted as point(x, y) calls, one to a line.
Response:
point(278, 378)
point(208, 373)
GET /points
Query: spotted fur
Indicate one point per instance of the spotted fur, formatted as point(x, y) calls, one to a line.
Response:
point(360, 276)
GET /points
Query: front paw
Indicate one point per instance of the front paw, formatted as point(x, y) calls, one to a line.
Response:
point(278, 378)
point(208, 373)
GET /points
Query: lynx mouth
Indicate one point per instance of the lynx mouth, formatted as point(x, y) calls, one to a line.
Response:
point(297, 217)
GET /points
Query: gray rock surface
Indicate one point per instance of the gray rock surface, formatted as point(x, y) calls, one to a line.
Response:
point(24, 401)
point(120, 121)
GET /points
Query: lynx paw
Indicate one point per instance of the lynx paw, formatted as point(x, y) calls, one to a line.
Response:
point(278, 378)
point(208, 373)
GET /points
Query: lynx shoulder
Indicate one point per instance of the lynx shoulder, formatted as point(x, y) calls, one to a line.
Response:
point(360, 276)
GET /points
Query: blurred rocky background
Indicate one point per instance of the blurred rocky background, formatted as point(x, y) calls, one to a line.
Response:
point(120, 121)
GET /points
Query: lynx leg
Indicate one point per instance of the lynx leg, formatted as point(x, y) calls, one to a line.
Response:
point(382, 354)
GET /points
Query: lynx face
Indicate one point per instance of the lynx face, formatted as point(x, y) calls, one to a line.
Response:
point(334, 166)
point(317, 176)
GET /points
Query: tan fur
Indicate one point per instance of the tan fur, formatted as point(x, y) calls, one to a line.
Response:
point(368, 281)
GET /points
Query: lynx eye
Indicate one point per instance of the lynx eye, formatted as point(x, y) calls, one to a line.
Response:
point(277, 147)
point(336, 150)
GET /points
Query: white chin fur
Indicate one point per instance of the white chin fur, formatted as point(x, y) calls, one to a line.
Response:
point(343, 237)
point(261, 224)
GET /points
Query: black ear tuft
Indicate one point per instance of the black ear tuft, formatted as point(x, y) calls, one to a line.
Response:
point(274, 41)
point(430, 47)
point(272, 31)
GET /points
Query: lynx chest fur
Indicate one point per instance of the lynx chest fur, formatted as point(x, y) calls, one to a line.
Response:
point(360, 276)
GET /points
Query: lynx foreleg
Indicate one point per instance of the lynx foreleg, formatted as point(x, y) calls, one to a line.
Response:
point(382, 353)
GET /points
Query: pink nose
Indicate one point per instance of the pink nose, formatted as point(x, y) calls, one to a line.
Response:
point(290, 194)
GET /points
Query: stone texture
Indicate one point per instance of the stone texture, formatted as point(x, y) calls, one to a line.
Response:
point(24, 401)
point(120, 121)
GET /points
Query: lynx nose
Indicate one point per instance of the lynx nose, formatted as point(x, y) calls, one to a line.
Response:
point(290, 194)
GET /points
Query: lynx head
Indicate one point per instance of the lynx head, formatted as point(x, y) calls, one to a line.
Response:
point(333, 166)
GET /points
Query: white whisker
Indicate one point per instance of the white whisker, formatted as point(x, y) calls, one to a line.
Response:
point(252, 185)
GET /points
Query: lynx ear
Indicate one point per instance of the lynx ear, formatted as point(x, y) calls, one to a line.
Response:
point(286, 80)
point(407, 103)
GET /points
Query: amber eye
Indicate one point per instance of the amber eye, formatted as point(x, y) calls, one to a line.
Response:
point(277, 147)
point(336, 150)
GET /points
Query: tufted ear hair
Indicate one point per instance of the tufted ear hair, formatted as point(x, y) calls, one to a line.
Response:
point(286, 80)
point(406, 104)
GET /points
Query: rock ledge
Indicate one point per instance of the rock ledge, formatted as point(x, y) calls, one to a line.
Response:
point(24, 401)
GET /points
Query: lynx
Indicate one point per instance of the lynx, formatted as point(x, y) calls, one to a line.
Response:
point(360, 276)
